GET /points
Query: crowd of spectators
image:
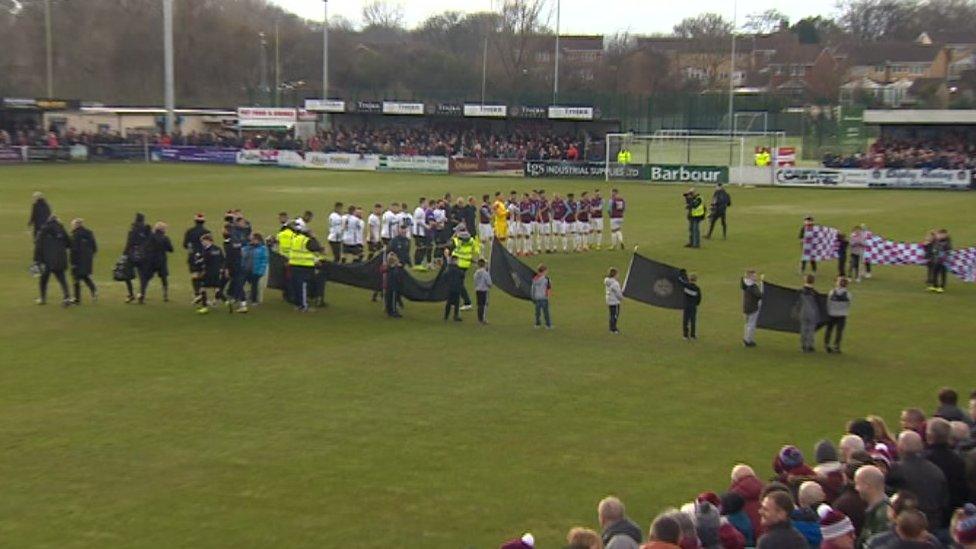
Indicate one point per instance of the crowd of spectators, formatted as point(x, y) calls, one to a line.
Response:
point(518, 144)
point(950, 150)
point(872, 490)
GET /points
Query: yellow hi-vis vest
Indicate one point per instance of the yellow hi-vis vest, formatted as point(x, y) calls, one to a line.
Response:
point(699, 210)
point(464, 251)
point(299, 256)
point(623, 157)
point(285, 237)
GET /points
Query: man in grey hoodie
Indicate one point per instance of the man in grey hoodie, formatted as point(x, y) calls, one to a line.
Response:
point(838, 306)
point(809, 314)
point(752, 292)
point(614, 296)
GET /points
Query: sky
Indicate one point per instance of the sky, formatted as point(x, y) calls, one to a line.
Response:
point(579, 16)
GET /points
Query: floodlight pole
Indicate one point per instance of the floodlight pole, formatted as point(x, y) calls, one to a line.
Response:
point(555, 78)
point(277, 93)
point(325, 57)
point(47, 38)
point(735, 9)
point(168, 64)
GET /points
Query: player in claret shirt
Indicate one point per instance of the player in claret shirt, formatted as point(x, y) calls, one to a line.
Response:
point(583, 223)
point(547, 241)
point(559, 213)
point(571, 210)
point(617, 207)
point(596, 220)
point(484, 223)
point(534, 234)
point(526, 216)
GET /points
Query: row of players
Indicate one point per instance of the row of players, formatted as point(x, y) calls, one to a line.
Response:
point(531, 225)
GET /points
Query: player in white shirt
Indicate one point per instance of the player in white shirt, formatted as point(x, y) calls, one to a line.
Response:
point(389, 223)
point(374, 228)
point(404, 219)
point(335, 232)
point(352, 234)
point(419, 230)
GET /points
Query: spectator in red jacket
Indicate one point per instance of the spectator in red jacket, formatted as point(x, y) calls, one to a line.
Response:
point(747, 484)
point(789, 466)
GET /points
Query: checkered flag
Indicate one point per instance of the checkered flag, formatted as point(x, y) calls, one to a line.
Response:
point(882, 251)
point(962, 263)
point(820, 243)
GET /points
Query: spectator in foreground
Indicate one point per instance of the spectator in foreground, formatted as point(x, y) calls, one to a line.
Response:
point(869, 482)
point(789, 465)
point(836, 529)
point(921, 477)
point(665, 533)
point(619, 532)
point(849, 444)
point(583, 538)
point(937, 434)
point(805, 518)
point(747, 485)
point(913, 419)
point(948, 407)
point(779, 533)
point(733, 510)
point(829, 469)
point(849, 501)
point(964, 526)
point(889, 538)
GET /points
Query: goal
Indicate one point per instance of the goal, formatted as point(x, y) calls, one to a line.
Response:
point(675, 148)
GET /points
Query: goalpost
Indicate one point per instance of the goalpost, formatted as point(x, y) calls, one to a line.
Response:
point(675, 147)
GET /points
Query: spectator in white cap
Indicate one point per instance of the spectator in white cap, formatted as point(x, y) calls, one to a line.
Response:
point(835, 528)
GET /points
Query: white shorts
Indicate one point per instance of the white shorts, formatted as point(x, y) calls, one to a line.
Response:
point(484, 229)
point(559, 227)
point(526, 228)
point(583, 227)
point(597, 224)
point(616, 223)
point(571, 226)
point(545, 227)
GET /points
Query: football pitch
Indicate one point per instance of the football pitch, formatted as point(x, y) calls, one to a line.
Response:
point(151, 426)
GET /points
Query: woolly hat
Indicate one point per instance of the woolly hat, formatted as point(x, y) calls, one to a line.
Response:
point(527, 541)
point(732, 503)
point(199, 217)
point(825, 451)
point(710, 497)
point(881, 453)
point(965, 530)
point(790, 457)
point(833, 523)
point(707, 523)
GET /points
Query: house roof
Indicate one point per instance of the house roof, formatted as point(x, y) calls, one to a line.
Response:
point(879, 53)
point(947, 37)
point(797, 54)
point(575, 42)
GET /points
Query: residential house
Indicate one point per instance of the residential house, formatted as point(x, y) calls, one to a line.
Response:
point(804, 72)
point(579, 56)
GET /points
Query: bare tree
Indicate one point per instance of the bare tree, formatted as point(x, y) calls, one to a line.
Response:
point(381, 13)
point(767, 21)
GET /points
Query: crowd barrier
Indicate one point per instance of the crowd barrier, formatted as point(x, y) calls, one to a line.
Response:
point(882, 178)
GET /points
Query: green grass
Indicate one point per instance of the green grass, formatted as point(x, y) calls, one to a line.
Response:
point(151, 426)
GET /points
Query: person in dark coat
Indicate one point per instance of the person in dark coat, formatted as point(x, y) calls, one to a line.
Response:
point(455, 281)
point(234, 270)
point(209, 268)
point(40, 213)
point(83, 249)
point(393, 279)
point(135, 251)
point(939, 452)
point(155, 262)
point(193, 247)
point(52, 252)
point(779, 532)
point(692, 298)
point(721, 201)
point(915, 473)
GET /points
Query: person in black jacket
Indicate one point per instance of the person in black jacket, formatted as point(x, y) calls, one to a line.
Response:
point(393, 279)
point(721, 201)
point(135, 251)
point(83, 249)
point(193, 247)
point(52, 252)
point(40, 213)
point(455, 282)
point(154, 262)
point(692, 295)
point(209, 269)
point(234, 270)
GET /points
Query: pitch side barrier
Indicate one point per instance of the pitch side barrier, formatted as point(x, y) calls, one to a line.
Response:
point(877, 178)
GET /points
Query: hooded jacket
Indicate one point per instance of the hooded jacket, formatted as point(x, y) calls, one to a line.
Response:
point(83, 249)
point(750, 489)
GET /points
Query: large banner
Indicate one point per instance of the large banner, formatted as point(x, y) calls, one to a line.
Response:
point(484, 166)
point(209, 155)
point(581, 169)
point(342, 161)
point(262, 157)
point(118, 151)
point(48, 154)
point(400, 163)
point(685, 173)
point(892, 178)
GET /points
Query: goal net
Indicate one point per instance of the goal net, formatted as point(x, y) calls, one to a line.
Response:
point(669, 150)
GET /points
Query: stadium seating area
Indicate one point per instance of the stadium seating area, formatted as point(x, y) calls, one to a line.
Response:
point(521, 144)
point(929, 473)
point(949, 151)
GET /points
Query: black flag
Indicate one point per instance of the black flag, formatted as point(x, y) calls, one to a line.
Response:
point(276, 271)
point(509, 274)
point(364, 275)
point(780, 309)
point(654, 283)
